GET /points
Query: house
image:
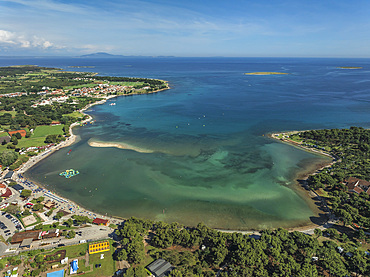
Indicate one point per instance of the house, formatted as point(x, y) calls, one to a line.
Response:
point(49, 204)
point(52, 233)
point(55, 123)
point(18, 187)
point(160, 268)
point(20, 237)
point(98, 247)
point(356, 185)
point(26, 243)
point(9, 175)
point(2, 189)
point(100, 221)
point(7, 193)
point(22, 132)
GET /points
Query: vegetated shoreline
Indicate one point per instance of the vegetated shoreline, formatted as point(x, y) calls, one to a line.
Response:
point(70, 140)
point(303, 176)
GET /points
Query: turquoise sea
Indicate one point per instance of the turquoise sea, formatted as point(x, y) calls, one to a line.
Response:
point(211, 160)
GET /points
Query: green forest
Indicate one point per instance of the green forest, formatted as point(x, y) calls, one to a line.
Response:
point(201, 251)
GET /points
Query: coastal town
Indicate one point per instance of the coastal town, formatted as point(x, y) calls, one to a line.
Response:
point(44, 234)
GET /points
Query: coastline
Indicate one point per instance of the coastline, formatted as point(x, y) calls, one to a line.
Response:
point(301, 182)
point(49, 194)
point(70, 140)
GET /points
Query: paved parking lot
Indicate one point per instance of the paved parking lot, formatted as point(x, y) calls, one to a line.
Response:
point(7, 225)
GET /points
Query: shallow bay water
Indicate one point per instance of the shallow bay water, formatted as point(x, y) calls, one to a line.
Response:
point(210, 160)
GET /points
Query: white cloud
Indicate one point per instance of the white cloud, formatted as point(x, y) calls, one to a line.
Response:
point(6, 37)
point(13, 39)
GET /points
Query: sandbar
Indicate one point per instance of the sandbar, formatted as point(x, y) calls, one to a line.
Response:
point(120, 145)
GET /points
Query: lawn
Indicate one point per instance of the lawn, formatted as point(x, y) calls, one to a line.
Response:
point(44, 130)
point(32, 141)
point(75, 251)
point(82, 267)
point(107, 264)
point(4, 134)
point(74, 114)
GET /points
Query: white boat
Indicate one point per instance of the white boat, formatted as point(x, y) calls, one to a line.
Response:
point(112, 104)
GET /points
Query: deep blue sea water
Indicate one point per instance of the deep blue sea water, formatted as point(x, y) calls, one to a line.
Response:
point(211, 160)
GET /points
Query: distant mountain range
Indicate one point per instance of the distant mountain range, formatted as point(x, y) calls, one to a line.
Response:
point(107, 55)
point(101, 55)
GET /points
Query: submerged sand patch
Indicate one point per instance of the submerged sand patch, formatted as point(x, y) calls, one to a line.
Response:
point(120, 145)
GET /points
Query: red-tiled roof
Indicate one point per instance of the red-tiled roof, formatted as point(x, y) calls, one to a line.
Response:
point(358, 190)
point(358, 185)
point(7, 193)
point(100, 221)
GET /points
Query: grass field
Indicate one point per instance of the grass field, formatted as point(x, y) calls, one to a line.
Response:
point(43, 131)
point(13, 113)
point(107, 264)
point(3, 134)
point(75, 251)
point(74, 114)
point(29, 142)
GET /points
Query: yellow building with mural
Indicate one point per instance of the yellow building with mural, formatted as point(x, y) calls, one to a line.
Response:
point(99, 247)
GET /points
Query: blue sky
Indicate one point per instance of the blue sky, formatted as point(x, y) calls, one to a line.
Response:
point(234, 28)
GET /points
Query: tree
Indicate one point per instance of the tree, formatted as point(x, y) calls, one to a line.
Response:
point(318, 232)
point(59, 215)
point(15, 141)
point(18, 135)
point(122, 255)
point(38, 227)
point(40, 199)
point(37, 207)
point(68, 222)
point(26, 212)
point(81, 219)
point(345, 216)
point(26, 193)
point(36, 272)
point(71, 234)
point(8, 157)
point(13, 209)
point(361, 235)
